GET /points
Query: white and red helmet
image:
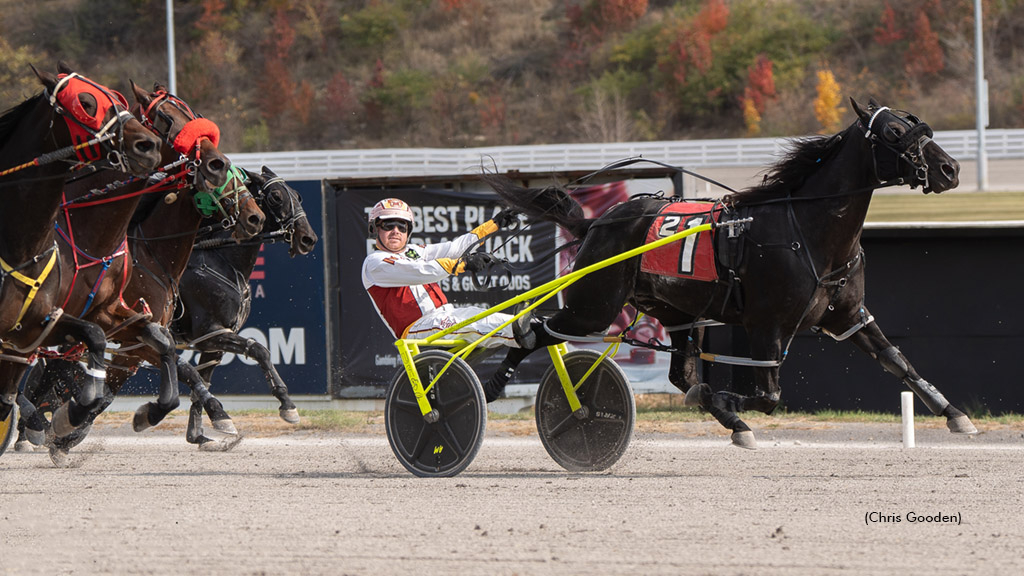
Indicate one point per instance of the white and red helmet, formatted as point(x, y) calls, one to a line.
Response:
point(389, 209)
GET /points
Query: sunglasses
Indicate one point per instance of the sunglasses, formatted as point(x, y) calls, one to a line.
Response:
point(389, 225)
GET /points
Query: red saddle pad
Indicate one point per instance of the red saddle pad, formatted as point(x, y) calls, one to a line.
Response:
point(693, 257)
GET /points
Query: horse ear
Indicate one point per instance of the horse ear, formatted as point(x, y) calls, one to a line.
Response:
point(63, 67)
point(158, 87)
point(140, 95)
point(48, 80)
point(860, 112)
point(267, 172)
point(255, 178)
point(872, 103)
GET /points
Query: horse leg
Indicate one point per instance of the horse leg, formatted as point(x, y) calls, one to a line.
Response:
point(90, 391)
point(682, 370)
point(255, 351)
point(32, 427)
point(723, 405)
point(152, 413)
point(871, 340)
point(202, 398)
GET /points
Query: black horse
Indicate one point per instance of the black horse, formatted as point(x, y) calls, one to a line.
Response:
point(215, 296)
point(797, 265)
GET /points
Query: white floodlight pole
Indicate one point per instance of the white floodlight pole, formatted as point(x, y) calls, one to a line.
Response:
point(981, 91)
point(172, 84)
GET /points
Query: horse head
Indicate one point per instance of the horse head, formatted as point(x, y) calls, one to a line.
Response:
point(284, 205)
point(904, 150)
point(188, 133)
point(98, 116)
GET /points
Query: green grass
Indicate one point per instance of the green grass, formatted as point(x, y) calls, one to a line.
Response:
point(948, 207)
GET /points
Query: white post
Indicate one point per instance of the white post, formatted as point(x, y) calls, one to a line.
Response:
point(981, 94)
point(907, 401)
point(172, 80)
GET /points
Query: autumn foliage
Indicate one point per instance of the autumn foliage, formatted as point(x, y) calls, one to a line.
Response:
point(826, 106)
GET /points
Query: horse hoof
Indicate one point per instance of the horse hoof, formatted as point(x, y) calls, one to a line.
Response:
point(61, 458)
point(220, 445)
point(36, 437)
point(140, 422)
point(23, 446)
point(961, 425)
point(692, 397)
point(744, 439)
point(61, 422)
point(290, 415)
point(225, 426)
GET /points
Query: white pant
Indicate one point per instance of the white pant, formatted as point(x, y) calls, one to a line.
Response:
point(448, 316)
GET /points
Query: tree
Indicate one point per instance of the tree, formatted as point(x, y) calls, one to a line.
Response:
point(924, 56)
point(826, 105)
point(888, 31)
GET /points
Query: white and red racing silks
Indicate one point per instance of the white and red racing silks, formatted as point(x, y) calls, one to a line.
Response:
point(403, 286)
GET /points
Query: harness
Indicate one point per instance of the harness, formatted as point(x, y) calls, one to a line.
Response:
point(907, 147)
point(88, 132)
point(33, 283)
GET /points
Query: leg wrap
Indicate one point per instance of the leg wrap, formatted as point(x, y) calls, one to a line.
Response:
point(496, 385)
point(931, 397)
point(893, 361)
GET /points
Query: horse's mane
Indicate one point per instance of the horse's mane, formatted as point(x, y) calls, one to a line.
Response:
point(802, 159)
point(10, 119)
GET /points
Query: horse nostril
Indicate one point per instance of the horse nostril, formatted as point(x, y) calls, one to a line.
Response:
point(216, 165)
point(145, 146)
point(949, 171)
point(255, 221)
point(308, 241)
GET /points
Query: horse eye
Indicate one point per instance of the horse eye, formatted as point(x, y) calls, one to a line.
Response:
point(893, 131)
point(275, 198)
point(89, 104)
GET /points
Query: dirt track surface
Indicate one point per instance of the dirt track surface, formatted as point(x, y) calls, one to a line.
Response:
point(679, 502)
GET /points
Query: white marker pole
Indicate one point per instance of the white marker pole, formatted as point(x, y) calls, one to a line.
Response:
point(907, 401)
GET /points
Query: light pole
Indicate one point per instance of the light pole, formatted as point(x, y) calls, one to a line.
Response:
point(981, 91)
point(172, 77)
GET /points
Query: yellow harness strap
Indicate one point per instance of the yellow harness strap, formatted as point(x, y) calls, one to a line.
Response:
point(33, 284)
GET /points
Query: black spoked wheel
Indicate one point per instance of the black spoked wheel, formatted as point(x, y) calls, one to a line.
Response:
point(9, 430)
point(597, 438)
point(445, 447)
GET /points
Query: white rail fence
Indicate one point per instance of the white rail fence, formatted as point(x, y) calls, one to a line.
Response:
point(690, 154)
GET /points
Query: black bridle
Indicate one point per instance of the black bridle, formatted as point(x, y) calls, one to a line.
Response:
point(904, 137)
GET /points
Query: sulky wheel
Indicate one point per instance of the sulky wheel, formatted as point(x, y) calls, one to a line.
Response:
point(9, 430)
point(447, 446)
point(597, 438)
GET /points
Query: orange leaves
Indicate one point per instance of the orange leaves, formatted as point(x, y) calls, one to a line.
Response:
point(690, 46)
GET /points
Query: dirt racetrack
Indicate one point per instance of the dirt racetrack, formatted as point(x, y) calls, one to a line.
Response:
point(816, 498)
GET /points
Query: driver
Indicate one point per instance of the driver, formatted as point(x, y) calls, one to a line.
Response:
point(401, 279)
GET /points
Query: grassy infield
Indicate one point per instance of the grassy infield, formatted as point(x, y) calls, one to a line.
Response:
point(664, 408)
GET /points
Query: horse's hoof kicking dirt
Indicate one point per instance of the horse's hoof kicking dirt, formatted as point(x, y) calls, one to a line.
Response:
point(744, 439)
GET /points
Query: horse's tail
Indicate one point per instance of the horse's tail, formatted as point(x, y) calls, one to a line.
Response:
point(551, 204)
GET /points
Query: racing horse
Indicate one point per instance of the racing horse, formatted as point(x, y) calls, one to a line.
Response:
point(72, 117)
point(798, 264)
point(161, 233)
point(215, 295)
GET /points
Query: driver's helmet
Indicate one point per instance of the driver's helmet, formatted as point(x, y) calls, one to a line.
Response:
point(389, 209)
